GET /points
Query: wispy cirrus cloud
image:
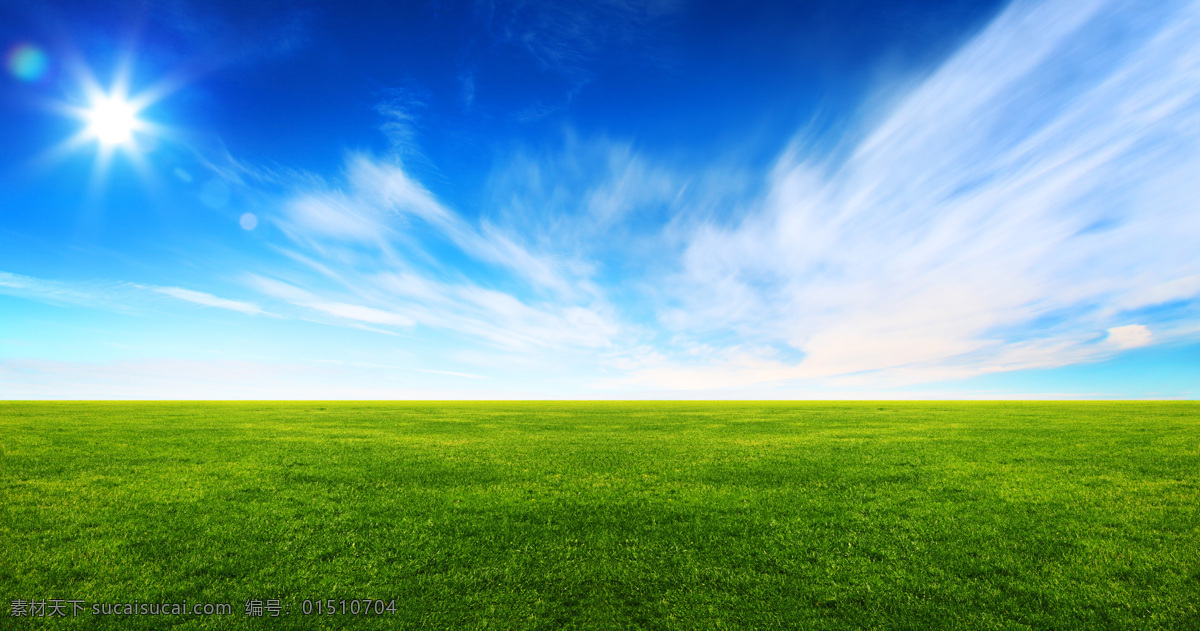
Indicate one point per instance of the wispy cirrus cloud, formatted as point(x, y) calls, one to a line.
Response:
point(117, 296)
point(381, 249)
point(384, 207)
point(1024, 199)
point(59, 292)
point(1027, 205)
point(209, 300)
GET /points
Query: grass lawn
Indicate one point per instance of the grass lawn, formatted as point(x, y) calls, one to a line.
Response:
point(607, 515)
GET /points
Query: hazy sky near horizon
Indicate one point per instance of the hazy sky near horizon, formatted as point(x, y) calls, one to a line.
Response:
point(602, 199)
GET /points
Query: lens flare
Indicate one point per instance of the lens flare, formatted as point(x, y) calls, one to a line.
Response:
point(28, 62)
point(112, 120)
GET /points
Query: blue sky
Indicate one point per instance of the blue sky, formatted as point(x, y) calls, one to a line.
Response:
point(609, 199)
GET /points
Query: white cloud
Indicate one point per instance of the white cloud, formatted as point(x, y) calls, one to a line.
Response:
point(58, 292)
point(334, 216)
point(1010, 210)
point(360, 313)
point(400, 121)
point(117, 296)
point(1129, 336)
point(383, 206)
point(1021, 197)
point(209, 300)
point(382, 241)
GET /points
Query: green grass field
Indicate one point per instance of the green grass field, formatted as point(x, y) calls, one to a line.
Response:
point(608, 515)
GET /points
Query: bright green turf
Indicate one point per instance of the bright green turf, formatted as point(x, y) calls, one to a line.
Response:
point(610, 515)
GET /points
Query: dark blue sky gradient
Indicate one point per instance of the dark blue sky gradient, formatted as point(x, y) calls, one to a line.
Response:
point(286, 82)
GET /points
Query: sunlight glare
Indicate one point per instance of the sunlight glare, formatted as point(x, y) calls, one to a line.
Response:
point(112, 120)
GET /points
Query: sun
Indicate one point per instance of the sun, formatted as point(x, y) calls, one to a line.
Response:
point(116, 121)
point(112, 120)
